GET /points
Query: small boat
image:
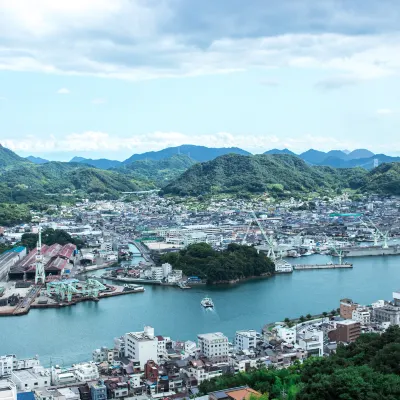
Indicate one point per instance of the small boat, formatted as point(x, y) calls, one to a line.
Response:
point(207, 303)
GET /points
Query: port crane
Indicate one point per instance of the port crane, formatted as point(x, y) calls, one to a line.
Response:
point(378, 232)
point(338, 251)
point(40, 274)
point(67, 288)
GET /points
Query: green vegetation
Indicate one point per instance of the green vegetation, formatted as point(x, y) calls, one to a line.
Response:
point(384, 179)
point(368, 369)
point(278, 174)
point(13, 214)
point(159, 171)
point(49, 236)
point(236, 262)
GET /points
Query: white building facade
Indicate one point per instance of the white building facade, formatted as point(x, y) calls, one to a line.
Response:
point(245, 340)
point(214, 346)
point(141, 346)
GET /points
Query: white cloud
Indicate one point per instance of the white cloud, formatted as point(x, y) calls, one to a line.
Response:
point(99, 100)
point(136, 40)
point(63, 91)
point(385, 111)
point(102, 142)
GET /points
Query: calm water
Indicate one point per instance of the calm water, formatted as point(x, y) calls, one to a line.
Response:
point(72, 333)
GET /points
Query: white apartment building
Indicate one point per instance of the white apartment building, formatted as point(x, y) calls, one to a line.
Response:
point(245, 340)
point(162, 352)
point(62, 376)
point(167, 269)
point(157, 273)
point(286, 334)
point(10, 363)
point(175, 276)
point(196, 369)
point(361, 315)
point(141, 346)
point(86, 372)
point(103, 354)
point(6, 365)
point(312, 341)
point(214, 346)
point(69, 394)
point(29, 379)
point(8, 391)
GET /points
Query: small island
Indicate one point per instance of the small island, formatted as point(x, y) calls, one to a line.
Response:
point(236, 263)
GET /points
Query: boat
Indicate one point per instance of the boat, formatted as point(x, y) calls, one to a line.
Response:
point(207, 303)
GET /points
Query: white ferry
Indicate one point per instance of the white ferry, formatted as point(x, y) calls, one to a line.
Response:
point(207, 303)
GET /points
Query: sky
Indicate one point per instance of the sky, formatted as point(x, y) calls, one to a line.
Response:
point(110, 78)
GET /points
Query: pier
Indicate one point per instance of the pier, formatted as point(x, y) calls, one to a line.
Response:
point(300, 267)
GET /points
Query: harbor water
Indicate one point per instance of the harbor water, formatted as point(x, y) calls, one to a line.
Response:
point(70, 334)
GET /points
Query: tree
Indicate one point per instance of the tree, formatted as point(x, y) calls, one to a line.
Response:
point(302, 319)
point(286, 320)
point(308, 316)
point(333, 313)
point(324, 313)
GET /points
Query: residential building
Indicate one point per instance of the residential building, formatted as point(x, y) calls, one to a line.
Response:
point(167, 269)
point(86, 372)
point(346, 308)
point(151, 371)
point(214, 346)
point(362, 315)
point(8, 390)
point(6, 365)
point(69, 393)
point(61, 376)
point(245, 340)
point(98, 391)
point(286, 334)
point(157, 273)
point(311, 340)
point(346, 331)
point(387, 313)
point(27, 379)
point(103, 354)
point(237, 393)
point(198, 371)
point(141, 346)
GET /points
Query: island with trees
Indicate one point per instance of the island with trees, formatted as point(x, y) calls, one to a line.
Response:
point(236, 263)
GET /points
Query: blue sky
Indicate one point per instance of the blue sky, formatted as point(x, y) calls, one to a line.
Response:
point(109, 78)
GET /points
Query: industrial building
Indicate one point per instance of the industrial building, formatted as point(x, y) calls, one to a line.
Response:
point(56, 261)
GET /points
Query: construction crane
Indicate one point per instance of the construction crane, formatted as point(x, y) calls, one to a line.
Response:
point(384, 235)
point(339, 252)
point(40, 274)
point(247, 232)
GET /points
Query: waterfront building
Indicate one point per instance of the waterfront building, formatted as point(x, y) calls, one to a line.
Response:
point(286, 334)
point(245, 340)
point(214, 346)
point(167, 269)
point(98, 391)
point(86, 372)
point(346, 331)
point(157, 273)
point(197, 371)
point(362, 315)
point(346, 308)
point(27, 379)
point(164, 344)
point(6, 365)
point(103, 354)
point(61, 377)
point(8, 390)
point(141, 346)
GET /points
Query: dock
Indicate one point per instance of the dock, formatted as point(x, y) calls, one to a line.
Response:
point(303, 267)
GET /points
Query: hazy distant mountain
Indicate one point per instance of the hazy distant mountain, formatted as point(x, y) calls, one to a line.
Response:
point(37, 160)
point(102, 163)
point(277, 151)
point(337, 154)
point(313, 157)
point(366, 163)
point(359, 153)
point(197, 153)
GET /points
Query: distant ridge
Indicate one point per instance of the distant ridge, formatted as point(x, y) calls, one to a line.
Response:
point(277, 151)
point(102, 163)
point(37, 160)
point(196, 153)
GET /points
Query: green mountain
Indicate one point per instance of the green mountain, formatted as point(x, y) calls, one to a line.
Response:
point(259, 173)
point(198, 153)
point(384, 179)
point(159, 171)
point(102, 163)
point(22, 181)
point(8, 159)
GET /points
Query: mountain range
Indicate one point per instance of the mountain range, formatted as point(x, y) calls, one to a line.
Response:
point(333, 158)
point(24, 181)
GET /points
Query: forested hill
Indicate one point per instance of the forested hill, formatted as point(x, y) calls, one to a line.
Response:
point(276, 173)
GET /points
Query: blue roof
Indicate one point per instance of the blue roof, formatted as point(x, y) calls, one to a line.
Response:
point(25, 396)
point(18, 249)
